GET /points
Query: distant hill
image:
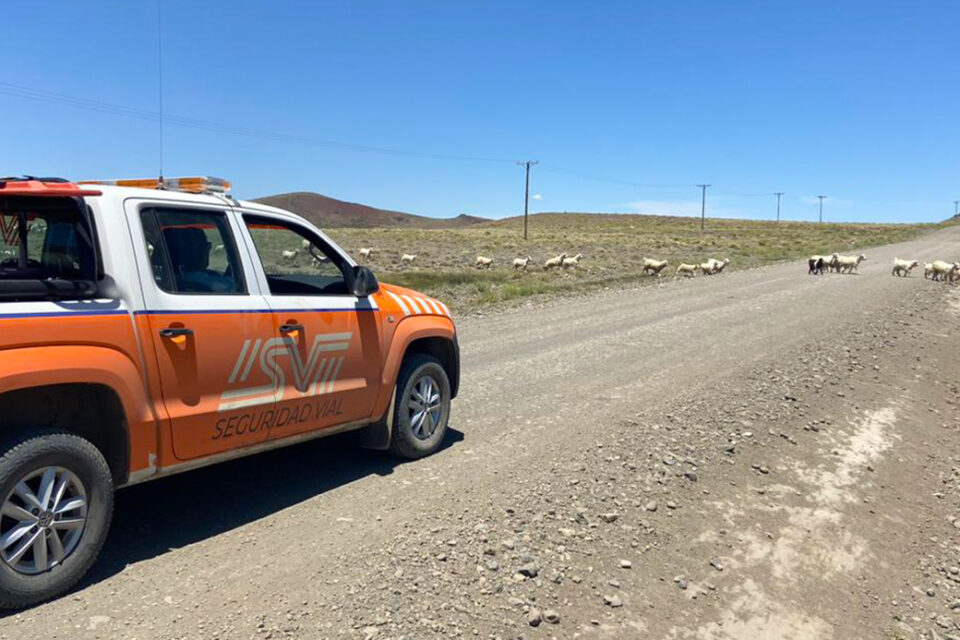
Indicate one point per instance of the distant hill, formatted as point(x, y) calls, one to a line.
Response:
point(329, 212)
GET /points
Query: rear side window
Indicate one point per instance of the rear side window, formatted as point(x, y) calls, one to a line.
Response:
point(192, 251)
point(295, 261)
point(43, 238)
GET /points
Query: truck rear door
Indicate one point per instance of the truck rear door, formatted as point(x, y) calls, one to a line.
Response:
point(211, 329)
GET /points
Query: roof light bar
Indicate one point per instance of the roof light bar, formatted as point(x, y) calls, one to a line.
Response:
point(193, 184)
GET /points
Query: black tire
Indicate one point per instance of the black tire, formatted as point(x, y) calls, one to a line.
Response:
point(403, 442)
point(30, 451)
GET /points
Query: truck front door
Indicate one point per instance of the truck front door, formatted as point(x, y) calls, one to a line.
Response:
point(331, 365)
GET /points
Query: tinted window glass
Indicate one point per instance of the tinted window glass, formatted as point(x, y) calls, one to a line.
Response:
point(192, 251)
point(294, 260)
point(44, 238)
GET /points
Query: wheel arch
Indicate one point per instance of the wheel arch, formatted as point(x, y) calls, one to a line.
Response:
point(89, 410)
point(94, 392)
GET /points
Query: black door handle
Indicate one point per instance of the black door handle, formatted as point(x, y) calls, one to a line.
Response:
point(174, 333)
point(290, 328)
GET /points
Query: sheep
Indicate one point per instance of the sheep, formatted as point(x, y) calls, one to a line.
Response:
point(942, 270)
point(305, 244)
point(365, 252)
point(815, 264)
point(319, 261)
point(903, 267)
point(218, 249)
point(954, 273)
point(927, 269)
point(829, 261)
point(687, 269)
point(572, 263)
point(706, 268)
point(521, 263)
point(654, 266)
point(555, 262)
point(408, 258)
point(719, 265)
point(483, 262)
point(289, 255)
point(849, 264)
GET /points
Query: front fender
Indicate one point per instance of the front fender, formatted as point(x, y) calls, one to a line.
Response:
point(409, 329)
point(31, 367)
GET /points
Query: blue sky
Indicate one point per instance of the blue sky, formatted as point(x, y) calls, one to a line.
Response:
point(626, 105)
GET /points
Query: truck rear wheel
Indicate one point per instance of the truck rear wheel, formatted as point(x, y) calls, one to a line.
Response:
point(57, 503)
point(422, 407)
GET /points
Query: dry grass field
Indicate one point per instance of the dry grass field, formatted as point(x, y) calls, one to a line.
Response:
point(613, 247)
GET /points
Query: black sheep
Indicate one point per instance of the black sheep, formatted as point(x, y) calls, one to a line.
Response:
point(816, 267)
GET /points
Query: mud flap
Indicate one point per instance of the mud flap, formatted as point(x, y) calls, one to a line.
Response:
point(377, 435)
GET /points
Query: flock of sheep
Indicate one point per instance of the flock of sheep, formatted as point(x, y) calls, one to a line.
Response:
point(938, 270)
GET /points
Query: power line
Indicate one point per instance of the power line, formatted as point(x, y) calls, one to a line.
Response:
point(629, 183)
point(526, 194)
point(51, 97)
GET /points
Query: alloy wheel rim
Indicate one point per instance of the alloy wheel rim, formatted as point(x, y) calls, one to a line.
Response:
point(425, 407)
point(42, 520)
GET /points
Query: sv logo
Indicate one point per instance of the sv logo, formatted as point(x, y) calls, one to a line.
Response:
point(314, 376)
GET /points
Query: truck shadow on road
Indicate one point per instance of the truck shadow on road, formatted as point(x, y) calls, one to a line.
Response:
point(156, 517)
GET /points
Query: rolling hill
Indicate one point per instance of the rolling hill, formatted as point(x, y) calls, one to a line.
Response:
point(328, 212)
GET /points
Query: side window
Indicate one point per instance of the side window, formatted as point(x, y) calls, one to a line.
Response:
point(51, 240)
point(294, 261)
point(192, 251)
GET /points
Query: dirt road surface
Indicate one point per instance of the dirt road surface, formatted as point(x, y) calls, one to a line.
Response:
point(757, 455)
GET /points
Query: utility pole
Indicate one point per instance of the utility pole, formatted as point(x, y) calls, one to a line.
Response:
point(778, 194)
point(821, 207)
point(703, 204)
point(526, 194)
point(956, 208)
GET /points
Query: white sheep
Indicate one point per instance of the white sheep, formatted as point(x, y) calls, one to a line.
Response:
point(290, 255)
point(365, 252)
point(305, 244)
point(219, 248)
point(483, 262)
point(687, 269)
point(573, 262)
point(943, 270)
point(719, 265)
point(927, 269)
point(521, 263)
point(408, 258)
point(653, 266)
point(707, 268)
point(903, 267)
point(554, 262)
point(849, 264)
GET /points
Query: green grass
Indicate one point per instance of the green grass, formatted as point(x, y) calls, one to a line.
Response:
point(613, 246)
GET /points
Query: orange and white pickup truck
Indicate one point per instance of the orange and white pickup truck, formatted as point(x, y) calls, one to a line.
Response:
point(149, 327)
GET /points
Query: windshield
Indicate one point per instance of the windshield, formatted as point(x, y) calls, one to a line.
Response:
point(43, 238)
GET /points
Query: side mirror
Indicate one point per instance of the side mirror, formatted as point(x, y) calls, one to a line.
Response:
point(363, 282)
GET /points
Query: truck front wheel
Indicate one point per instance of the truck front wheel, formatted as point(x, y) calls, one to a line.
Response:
point(57, 503)
point(422, 407)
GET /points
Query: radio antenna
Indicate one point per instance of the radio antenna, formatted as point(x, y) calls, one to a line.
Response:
point(160, 83)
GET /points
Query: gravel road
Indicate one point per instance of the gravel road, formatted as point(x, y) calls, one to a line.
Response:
point(760, 454)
